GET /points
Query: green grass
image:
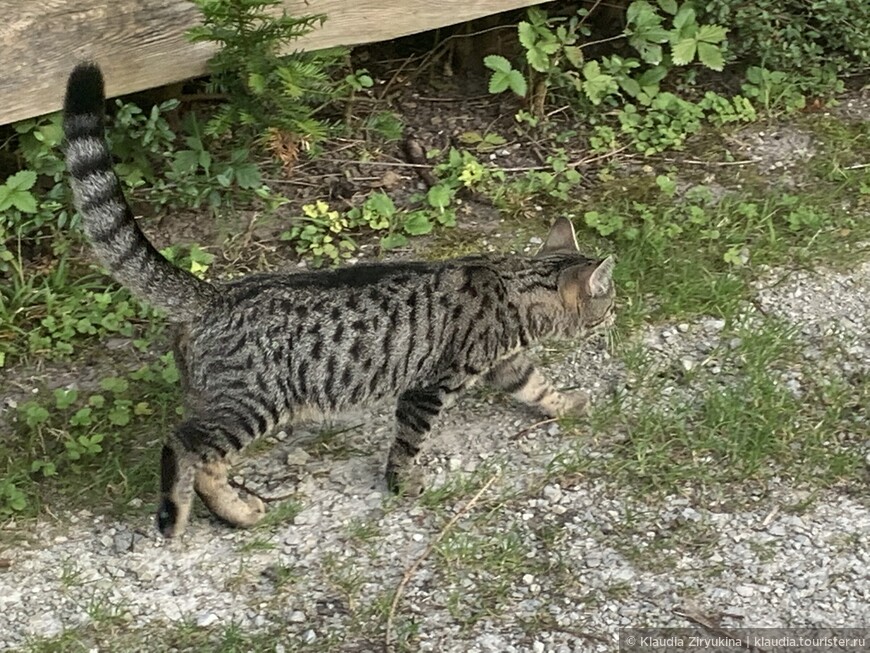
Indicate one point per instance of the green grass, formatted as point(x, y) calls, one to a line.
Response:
point(184, 637)
point(742, 425)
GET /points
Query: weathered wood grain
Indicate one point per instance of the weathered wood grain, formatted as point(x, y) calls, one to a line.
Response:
point(141, 44)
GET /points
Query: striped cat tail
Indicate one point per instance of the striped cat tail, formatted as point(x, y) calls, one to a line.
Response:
point(107, 219)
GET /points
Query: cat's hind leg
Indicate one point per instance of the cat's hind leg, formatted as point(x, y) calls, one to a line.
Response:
point(196, 459)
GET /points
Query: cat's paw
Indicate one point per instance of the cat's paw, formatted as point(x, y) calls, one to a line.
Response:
point(242, 512)
point(255, 510)
point(406, 482)
point(577, 404)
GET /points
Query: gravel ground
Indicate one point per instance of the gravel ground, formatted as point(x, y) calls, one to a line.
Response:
point(559, 567)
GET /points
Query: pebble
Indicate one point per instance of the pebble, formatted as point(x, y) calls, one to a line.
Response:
point(553, 493)
point(297, 456)
point(776, 529)
point(207, 619)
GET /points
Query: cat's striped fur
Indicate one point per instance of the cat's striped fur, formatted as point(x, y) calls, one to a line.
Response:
point(258, 351)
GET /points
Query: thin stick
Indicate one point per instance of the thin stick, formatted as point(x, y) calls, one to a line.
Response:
point(398, 164)
point(400, 589)
point(742, 162)
point(715, 628)
point(533, 427)
point(261, 497)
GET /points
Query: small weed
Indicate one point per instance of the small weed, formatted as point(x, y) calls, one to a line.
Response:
point(482, 567)
point(363, 530)
point(344, 578)
point(282, 513)
point(327, 235)
point(256, 544)
point(75, 443)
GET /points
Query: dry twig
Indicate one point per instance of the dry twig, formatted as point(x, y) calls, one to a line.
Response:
point(716, 629)
point(406, 578)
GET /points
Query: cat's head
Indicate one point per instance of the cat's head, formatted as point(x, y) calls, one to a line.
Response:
point(585, 286)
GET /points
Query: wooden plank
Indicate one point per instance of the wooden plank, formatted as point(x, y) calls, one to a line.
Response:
point(141, 44)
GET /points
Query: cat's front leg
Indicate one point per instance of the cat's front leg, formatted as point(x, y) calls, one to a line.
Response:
point(518, 376)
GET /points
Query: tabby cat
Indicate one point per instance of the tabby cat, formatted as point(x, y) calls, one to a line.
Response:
point(256, 352)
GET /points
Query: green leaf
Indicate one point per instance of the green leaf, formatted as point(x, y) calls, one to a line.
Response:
point(22, 180)
point(24, 202)
point(527, 35)
point(64, 398)
point(684, 52)
point(630, 86)
point(591, 70)
point(639, 11)
point(574, 55)
point(439, 196)
point(497, 63)
point(711, 56)
point(517, 83)
point(597, 85)
point(82, 417)
point(685, 16)
point(170, 374)
point(652, 76)
point(392, 241)
point(257, 83)
point(538, 60)
point(447, 218)
point(35, 414)
point(668, 6)
point(248, 175)
point(381, 204)
point(119, 416)
point(711, 33)
point(417, 224)
point(499, 83)
point(114, 384)
point(185, 161)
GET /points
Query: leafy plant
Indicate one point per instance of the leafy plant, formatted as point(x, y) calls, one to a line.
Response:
point(321, 234)
point(265, 88)
point(773, 90)
point(811, 42)
point(554, 54)
point(504, 76)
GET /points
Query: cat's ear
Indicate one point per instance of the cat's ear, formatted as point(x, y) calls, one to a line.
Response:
point(600, 281)
point(560, 239)
point(585, 280)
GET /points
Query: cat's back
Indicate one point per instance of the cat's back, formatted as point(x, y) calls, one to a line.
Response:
point(373, 329)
